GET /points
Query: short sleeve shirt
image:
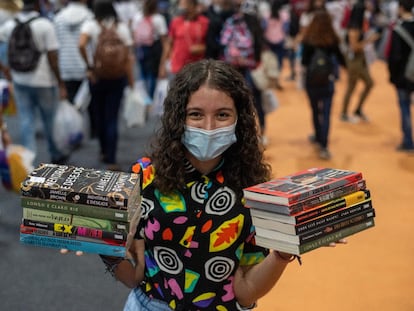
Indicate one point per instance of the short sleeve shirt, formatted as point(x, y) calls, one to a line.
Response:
point(195, 239)
point(184, 34)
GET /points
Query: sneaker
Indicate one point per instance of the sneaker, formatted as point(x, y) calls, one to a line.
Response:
point(361, 116)
point(403, 148)
point(346, 118)
point(324, 154)
point(312, 139)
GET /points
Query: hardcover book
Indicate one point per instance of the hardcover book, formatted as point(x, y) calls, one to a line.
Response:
point(314, 212)
point(103, 188)
point(314, 223)
point(301, 186)
point(309, 203)
point(297, 249)
point(75, 209)
point(75, 220)
point(318, 232)
point(72, 244)
point(71, 231)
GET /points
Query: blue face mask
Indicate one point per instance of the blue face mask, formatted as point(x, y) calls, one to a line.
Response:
point(208, 144)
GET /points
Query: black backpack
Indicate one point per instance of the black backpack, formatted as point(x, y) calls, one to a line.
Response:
point(23, 54)
point(320, 69)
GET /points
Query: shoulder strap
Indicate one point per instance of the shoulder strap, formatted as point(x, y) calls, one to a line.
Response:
point(405, 35)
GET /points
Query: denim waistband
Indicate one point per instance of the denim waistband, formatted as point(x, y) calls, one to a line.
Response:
point(139, 301)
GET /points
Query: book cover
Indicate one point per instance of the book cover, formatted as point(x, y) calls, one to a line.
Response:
point(314, 212)
point(318, 232)
point(75, 209)
point(72, 244)
point(314, 223)
point(296, 249)
point(70, 231)
point(309, 203)
point(75, 220)
point(300, 186)
point(103, 188)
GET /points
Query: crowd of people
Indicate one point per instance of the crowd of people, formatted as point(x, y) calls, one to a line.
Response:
point(163, 36)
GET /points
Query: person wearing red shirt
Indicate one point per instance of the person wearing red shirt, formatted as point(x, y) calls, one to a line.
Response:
point(186, 41)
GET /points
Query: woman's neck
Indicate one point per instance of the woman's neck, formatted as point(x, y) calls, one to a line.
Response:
point(204, 167)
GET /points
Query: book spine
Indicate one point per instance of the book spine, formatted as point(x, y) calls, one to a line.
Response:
point(325, 197)
point(336, 236)
point(75, 209)
point(99, 200)
point(332, 217)
point(330, 228)
point(45, 232)
point(72, 245)
point(73, 231)
point(305, 195)
point(75, 220)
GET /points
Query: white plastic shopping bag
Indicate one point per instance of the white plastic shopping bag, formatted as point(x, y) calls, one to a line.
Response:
point(269, 101)
point(83, 97)
point(159, 95)
point(69, 129)
point(134, 107)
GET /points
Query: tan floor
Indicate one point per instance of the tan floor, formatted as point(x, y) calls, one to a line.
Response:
point(374, 271)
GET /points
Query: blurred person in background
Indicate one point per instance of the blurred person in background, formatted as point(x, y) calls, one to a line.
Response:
point(68, 22)
point(186, 41)
point(397, 61)
point(320, 96)
point(40, 88)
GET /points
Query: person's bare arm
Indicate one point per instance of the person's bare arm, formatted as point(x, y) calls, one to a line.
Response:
point(52, 57)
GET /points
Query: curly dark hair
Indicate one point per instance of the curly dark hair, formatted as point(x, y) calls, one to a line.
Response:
point(244, 164)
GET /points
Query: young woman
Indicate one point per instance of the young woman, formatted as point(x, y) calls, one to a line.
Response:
point(320, 96)
point(206, 152)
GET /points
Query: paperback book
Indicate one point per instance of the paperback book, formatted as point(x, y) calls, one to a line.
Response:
point(72, 244)
point(308, 203)
point(301, 186)
point(74, 220)
point(102, 188)
point(316, 232)
point(75, 209)
point(312, 224)
point(299, 249)
point(315, 212)
point(71, 231)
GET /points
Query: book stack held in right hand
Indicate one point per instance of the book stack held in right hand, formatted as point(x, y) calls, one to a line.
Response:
point(309, 209)
point(79, 209)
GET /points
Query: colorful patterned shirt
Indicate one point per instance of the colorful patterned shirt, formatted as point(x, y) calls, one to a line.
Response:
point(195, 239)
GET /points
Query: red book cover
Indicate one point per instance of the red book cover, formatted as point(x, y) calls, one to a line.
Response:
point(301, 186)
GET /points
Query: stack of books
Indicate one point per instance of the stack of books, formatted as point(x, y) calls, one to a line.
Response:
point(309, 209)
point(79, 209)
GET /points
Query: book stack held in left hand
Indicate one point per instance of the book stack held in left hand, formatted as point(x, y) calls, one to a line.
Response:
point(79, 209)
point(309, 209)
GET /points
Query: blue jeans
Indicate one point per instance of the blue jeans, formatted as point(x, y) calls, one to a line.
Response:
point(321, 103)
point(404, 101)
point(138, 301)
point(279, 50)
point(46, 100)
point(106, 97)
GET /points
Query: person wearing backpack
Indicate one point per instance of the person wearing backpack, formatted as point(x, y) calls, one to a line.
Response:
point(150, 32)
point(318, 60)
point(242, 38)
point(397, 63)
point(33, 61)
point(109, 69)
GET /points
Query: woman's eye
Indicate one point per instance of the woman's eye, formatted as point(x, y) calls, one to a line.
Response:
point(194, 114)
